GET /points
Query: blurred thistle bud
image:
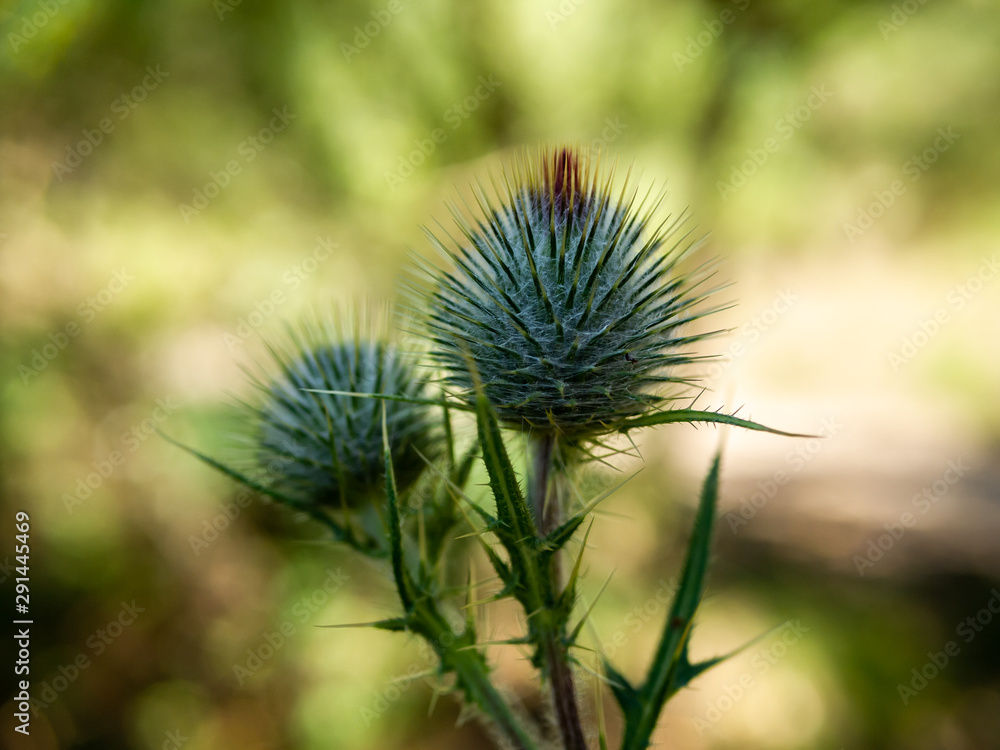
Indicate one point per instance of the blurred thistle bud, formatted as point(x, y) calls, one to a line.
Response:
point(326, 449)
point(566, 298)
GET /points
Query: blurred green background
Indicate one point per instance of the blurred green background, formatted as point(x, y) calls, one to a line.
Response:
point(178, 178)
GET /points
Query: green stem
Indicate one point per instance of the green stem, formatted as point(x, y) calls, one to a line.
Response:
point(472, 673)
point(481, 691)
point(545, 499)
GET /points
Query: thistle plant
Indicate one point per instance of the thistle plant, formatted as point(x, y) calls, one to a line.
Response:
point(567, 301)
point(564, 313)
point(309, 445)
point(333, 443)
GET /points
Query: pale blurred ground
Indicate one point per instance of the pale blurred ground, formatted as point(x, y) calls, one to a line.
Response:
point(578, 72)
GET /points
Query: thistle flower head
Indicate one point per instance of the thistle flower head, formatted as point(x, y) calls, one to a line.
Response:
point(566, 297)
point(322, 449)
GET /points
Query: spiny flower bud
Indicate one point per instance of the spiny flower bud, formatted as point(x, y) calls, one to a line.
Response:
point(322, 449)
point(565, 298)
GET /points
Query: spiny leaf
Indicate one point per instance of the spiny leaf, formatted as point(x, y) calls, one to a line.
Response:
point(579, 626)
point(626, 695)
point(503, 642)
point(501, 568)
point(391, 397)
point(671, 659)
point(470, 607)
point(399, 572)
point(456, 489)
point(526, 574)
point(233, 474)
point(408, 678)
point(461, 471)
point(449, 437)
point(394, 624)
point(569, 592)
point(512, 510)
point(688, 671)
point(340, 533)
point(558, 537)
point(694, 415)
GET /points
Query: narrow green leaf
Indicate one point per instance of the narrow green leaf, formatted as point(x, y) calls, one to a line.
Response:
point(392, 397)
point(558, 537)
point(694, 415)
point(671, 659)
point(515, 526)
point(512, 510)
point(586, 615)
point(456, 489)
point(569, 592)
point(470, 607)
point(602, 740)
point(688, 671)
point(502, 642)
point(501, 568)
point(403, 583)
point(394, 624)
point(340, 533)
point(449, 437)
point(461, 471)
point(626, 695)
point(233, 474)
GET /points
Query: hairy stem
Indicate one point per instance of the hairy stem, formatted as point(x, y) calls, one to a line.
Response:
point(472, 672)
point(481, 692)
point(544, 503)
point(545, 499)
